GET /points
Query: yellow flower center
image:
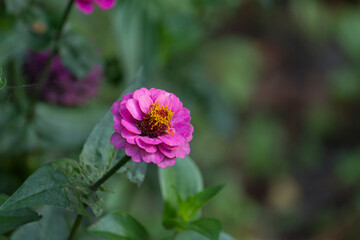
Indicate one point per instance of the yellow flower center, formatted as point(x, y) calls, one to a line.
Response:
point(156, 122)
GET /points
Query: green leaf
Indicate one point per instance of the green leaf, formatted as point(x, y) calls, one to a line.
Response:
point(2, 82)
point(59, 183)
point(52, 226)
point(10, 220)
point(135, 171)
point(78, 55)
point(190, 235)
point(118, 226)
point(190, 206)
point(207, 227)
point(183, 179)
point(97, 155)
point(15, 6)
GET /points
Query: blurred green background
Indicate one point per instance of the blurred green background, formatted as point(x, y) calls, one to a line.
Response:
point(274, 92)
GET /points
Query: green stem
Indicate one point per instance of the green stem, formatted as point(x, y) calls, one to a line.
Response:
point(113, 170)
point(94, 187)
point(54, 52)
point(75, 226)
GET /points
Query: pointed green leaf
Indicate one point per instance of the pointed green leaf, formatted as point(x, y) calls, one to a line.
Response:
point(190, 206)
point(208, 227)
point(59, 183)
point(52, 226)
point(10, 220)
point(119, 226)
point(183, 178)
point(98, 153)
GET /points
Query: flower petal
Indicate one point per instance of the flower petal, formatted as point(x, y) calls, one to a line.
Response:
point(167, 152)
point(182, 151)
point(163, 99)
point(155, 157)
point(147, 147)
point(172, 140)
point(153, 141)
point(85, 6)
point(106, 4)
point(129, 136)
point(118, 141)
point(167, 162)
point(142, 91)
point(145, 103)
point(130, 127)
point(134, 152)
point(133, 106)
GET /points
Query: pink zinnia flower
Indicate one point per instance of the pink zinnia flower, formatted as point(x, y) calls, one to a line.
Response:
point(87, 6)
point(153, 126)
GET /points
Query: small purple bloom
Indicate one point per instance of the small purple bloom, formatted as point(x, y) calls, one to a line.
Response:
point(87, 6)
point(61, 86)
point(152, 126)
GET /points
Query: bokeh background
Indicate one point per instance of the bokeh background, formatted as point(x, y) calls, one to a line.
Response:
point(274, 92)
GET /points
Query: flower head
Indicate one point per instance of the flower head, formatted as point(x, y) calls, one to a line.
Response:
point(61, 86)
point(152, 126)
point(87, 6)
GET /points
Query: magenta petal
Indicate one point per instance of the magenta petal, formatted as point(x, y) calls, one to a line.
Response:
point(167, 152)
point(127, 96)
point(85, 6)
point(145, 103)
point(155, 157)
point(182, 116)
point(106, 4)
point(185, 130)
point(129, 136)
point(163, 99)
point(153, 141)
point(134, 152)
point(167, 162)
point(133, 106)
point(182, 151)
point(147, 147)
point(115, 107)
point(172, 140)
point(130, 127)
point(125, 113)
point(118, 141)
point(117, 127)
point(142, 91)
point(174, 103)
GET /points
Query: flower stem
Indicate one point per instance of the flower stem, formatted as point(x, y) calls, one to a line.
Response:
point(113, 170)
point(94, 187)
point(75, 227)
point(55, 50)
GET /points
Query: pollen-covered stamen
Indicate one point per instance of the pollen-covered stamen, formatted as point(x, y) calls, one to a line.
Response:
point(156, 122)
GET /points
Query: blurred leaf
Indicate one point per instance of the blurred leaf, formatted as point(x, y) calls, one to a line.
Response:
point(13, 42)
point(15, 6)
point(225, 236)
point(188, 208)
point(190, 235)
point(208, 227)
point(10, 220)
point(59, 183)
point(97, 155)
point(185, 179)
point(119, 225)
point(135, 171)
point(63, 126)
point(348, 168)
point(52, 226)
point(345, 84)
point(135, 37)
point(78, 55)
point(2, 82)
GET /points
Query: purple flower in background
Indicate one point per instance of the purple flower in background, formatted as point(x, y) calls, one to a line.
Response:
point(87, 6)
point(153, 126)
point(61, 86)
